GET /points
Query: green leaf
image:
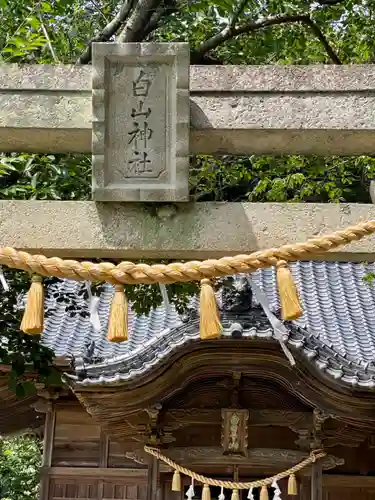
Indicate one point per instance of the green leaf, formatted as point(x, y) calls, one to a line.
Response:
point(34, 22)
point(45, 7)
point(34, 180)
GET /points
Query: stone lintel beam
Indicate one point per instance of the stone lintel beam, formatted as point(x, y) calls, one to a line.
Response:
point(246, 110)
point(194, 231)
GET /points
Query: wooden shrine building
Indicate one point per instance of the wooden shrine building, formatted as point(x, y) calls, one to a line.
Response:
point(231, 408)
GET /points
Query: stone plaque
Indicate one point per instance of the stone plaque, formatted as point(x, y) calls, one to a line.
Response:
point(234, 431)
point(141, 122)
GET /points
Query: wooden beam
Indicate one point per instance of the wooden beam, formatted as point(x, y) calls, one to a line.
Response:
point(349, 481)
point(194, 231)
point(139, 475)
point(234, 110)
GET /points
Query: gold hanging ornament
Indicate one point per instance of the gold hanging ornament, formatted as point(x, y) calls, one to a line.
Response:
point(264, 493)
point(292, 485)
point(289, 300)
point(176, 481)
point(118, 316)
point(206, 493)
point(235, 495)
point(210, 326)
point(33, 317)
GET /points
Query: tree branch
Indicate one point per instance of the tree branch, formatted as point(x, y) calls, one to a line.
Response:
point(237, 12)
point(138, 21)
point(231, 32)
point(49, 43)
point(323, 40)
point(163, 12)
point(110, 29)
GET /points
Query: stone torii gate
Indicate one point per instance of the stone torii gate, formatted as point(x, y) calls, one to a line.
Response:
point(141, 110)
point(319, 110)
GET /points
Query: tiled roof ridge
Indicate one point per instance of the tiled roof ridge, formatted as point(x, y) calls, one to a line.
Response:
point(125, 368)
point(336, 333)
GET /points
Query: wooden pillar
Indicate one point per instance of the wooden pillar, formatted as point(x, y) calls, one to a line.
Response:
point(49, 435)
point(236, 473)
point(304, 488)
point(153, 484)
point(103, 460)
point(316, 481)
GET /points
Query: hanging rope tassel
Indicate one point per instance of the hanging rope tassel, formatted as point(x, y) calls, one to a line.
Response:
point(222, 494)
point(93, 308)
point(33, 317)
point(164, 295)
point(118, 318)
point(235, 495)
point(264, 493)
point(210, 326)
point(3, 281)
point(276, 491)
point(235, 486)
point(292, 485)
point(206, 493)
point(289, 299)
point(190, 494)
point(176, 481)
point(250, 495)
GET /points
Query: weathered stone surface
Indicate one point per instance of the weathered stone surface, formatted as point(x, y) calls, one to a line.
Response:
point(234, 110)
point(141, 120)
point(313, 78)
point(193, 231)
point(45, 108)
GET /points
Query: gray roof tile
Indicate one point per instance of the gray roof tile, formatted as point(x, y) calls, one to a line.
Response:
point(336, 332)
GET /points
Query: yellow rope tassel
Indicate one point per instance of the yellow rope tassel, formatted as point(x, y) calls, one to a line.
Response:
point(118, 318)
point(206, 493)
point(235, 495)
point(210, 326)
point(176, 481)
point(289, 299)
point(264, 493)
point(178, 272)
point(292, 485)
point(33, 317)
point(261, 483)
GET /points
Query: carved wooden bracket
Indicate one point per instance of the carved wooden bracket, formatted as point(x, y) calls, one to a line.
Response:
point(46, 398)
point(153, 427)
point(319, 417)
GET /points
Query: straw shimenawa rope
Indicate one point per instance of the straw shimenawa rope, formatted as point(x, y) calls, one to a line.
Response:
point(130, 273)
point(314, 456)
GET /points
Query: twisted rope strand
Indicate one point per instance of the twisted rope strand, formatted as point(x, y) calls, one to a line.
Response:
point(130, 273)
point(232, 485)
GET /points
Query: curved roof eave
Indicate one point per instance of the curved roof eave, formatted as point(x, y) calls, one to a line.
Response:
point(142, 361)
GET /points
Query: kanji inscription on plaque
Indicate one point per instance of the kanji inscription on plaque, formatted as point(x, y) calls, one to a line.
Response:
point(140, 122)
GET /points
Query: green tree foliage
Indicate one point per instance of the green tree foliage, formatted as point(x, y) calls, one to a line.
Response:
point(20, 459)
point(219, 32)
